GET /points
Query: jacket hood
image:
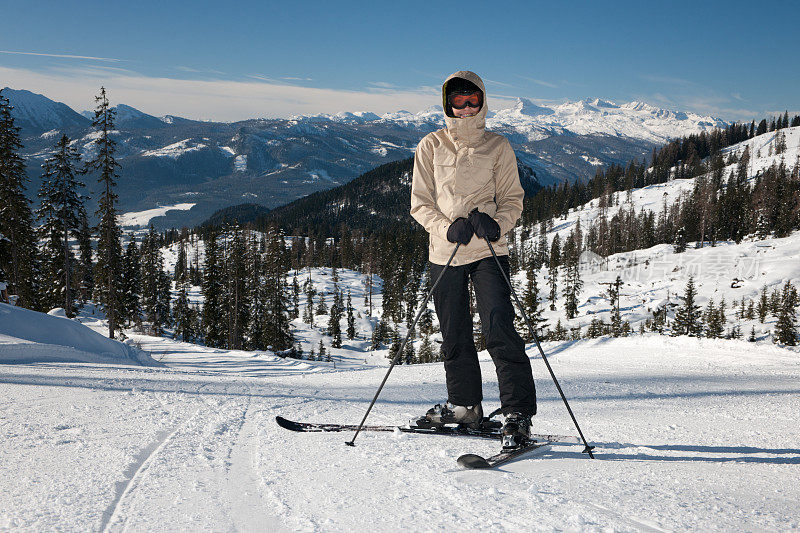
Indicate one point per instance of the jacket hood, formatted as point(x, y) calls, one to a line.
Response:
point(468, 129)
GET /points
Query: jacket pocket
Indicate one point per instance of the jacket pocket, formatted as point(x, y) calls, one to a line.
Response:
point(444, 169)
point(478, 173)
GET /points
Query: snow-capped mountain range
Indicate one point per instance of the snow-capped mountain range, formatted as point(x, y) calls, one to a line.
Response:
point(636, 120)
point(173, 160)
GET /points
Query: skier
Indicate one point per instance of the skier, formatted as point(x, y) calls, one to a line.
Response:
point(465, 187)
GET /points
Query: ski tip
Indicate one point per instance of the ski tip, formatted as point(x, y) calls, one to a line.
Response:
point(288, 424)
point(471, 461)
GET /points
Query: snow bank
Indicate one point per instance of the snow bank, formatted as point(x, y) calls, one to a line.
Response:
point(28, 336)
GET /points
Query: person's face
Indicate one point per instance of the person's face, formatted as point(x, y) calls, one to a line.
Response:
point(468, 111)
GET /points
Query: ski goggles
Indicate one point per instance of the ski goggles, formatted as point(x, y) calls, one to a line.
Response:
point(460, 101)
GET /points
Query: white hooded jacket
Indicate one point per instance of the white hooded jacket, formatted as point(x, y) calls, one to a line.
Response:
point(461, 167)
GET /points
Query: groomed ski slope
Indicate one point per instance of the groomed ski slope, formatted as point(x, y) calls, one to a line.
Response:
point(691, 434)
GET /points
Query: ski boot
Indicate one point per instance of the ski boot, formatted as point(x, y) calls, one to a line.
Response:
point(440, 415)
point(516, 431)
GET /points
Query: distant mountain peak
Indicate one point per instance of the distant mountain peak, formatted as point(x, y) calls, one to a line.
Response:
point(524, 106)
point(37, 114)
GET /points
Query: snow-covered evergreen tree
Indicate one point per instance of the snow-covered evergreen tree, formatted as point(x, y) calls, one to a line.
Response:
point(19, 259)
point(351, 320)
point(61, 211)
point(85, 271)
point(276, 266)
point(687, 318)
point(213, 319)
point(532, 305)
point(786, 327)
point(130, 310)
point(308, 313)
point(109, 248)
point(236, 297)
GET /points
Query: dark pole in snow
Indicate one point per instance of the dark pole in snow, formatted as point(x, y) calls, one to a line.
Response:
point(587, 449)
point(402, 347)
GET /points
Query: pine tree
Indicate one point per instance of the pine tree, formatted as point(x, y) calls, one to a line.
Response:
point(155, 285)
point(308, 314)
point(236, 298)
point(322, 309)
point(559, 333)
point(351, 320)
point(130, 310)
point(541, 250)
point(616, 315)
point(109, 249)
point(163, 296)
point(714, 326)
point(295, 297)
point(60, 211)
point(149, 281)
point(394, 335)
point(679, 244)
point(409, 353)
point(425, 354)
point(687, 318)
point(334, 325)
point(182, 315)
point(786, 327)
point(213, 318)
point(180, 263)
point(572, 286)
point(276, 267)
point(763, 305)
point(378, 335)
point(85, 276)
point(552, 281)
point(20, 258)
point(321, 351)
point(530, 300)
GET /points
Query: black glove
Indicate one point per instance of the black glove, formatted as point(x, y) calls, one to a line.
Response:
point(484, 225)
point(460, 231)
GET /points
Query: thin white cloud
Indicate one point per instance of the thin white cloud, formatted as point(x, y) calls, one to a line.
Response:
point(63, 56)
point(500, 83)
point(657, 78)
point(294, 78)
point(221, 100)
point(540, 82)
point(199, 70)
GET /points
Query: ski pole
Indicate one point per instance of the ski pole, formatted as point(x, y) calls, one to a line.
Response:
point(587, 449)
point(402, 347)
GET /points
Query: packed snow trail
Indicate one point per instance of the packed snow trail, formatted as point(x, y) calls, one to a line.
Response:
point(690, 434)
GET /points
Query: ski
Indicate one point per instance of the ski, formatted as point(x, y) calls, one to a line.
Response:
point(472, 461)
point(490, 430)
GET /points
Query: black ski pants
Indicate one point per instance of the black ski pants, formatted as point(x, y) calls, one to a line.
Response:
point(451, 299)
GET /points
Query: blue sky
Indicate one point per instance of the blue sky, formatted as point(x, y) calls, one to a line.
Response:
point(211, 60)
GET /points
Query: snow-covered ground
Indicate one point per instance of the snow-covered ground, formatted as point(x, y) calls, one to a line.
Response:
point(690, 434)
point(138, 219)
